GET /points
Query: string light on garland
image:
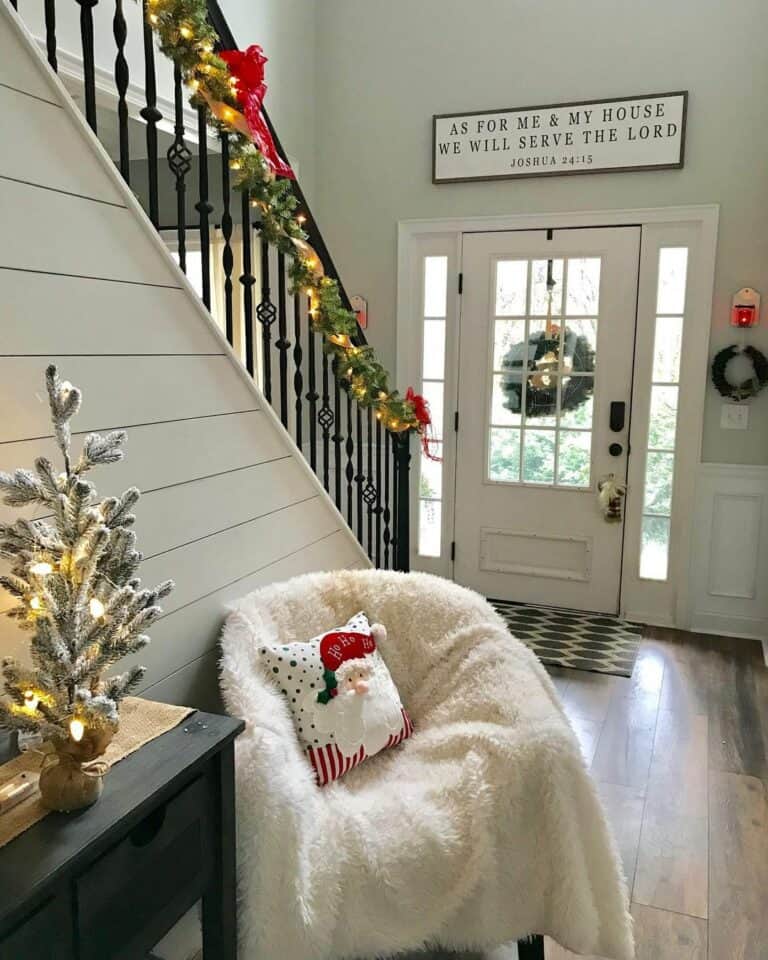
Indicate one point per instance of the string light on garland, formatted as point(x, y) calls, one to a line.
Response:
point(231, 85)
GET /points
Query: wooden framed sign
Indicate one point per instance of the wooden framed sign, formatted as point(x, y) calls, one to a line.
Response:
point(593, 136)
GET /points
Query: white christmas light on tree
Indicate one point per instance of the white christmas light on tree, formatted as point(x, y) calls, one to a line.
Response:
point(96, 608)
point(41, 569)
point(76, 729)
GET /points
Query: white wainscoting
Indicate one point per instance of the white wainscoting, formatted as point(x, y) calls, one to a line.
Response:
point(729, 568)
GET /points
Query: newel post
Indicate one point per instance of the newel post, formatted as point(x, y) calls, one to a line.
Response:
point(402, 558)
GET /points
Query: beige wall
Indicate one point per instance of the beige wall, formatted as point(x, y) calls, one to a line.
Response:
point(286, 31)
point(384, 69)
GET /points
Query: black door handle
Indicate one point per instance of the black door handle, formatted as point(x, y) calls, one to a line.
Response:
point(616, 419)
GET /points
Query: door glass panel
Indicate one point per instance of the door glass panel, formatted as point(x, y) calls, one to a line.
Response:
point(539, 293)
point(539, 456)
point(654, 548)
point(507, 334)
point(434, 350)
point(430, 518)
point(581, 416)
point(583, 294)
point(667, 347)
point(573, 458)
point(658, 484)
point(435, 286)
point(511, 281)
point(433, 394)
point(661, 432)
point(541, 377)
point(501, 415)
point(431, 480)
point(673, 269)
point(504, 455)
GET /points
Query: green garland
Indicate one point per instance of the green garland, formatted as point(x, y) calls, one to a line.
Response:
point(187, 38)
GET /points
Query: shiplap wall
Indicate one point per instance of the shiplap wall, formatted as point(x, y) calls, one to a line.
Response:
point(228, 504)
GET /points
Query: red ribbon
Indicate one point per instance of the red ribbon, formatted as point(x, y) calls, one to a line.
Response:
point(247, 67)
point(424, 417)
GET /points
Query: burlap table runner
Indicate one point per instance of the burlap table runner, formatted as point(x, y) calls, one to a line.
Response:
point(140, 721)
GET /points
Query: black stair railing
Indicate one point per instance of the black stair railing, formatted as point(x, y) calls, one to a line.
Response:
point(363, 467)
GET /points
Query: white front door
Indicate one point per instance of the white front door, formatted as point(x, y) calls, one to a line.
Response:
point(547, 336)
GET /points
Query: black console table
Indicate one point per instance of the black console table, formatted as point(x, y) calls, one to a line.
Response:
point(108, 882)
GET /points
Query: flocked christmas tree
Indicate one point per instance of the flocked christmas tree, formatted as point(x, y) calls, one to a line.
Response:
point(74, 578)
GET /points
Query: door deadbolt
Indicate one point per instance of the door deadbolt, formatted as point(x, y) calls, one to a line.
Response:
point(615, 449)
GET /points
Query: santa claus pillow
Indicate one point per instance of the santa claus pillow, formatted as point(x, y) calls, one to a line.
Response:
point(344, 702)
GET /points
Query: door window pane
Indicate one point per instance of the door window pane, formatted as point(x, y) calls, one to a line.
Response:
point(661, 431)
point(511, 281)
point(433, 394)
point(431, 485)
point(539, 292)
point(434, 350)
point(581, 416)
point(430, 523)
point(583, 287)
point(666, 350)
point(435, 286)
point(501, 415)
point(573, 458)
point(539, 456)
point(508, 334)
point(658, 483)
point(673, 268)
point(654, 548)
point(504, 455)
point(586, 328)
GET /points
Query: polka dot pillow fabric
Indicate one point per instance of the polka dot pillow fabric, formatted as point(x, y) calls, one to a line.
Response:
point(344, 702)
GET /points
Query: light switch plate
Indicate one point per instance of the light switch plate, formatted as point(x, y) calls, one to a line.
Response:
point(734, 416)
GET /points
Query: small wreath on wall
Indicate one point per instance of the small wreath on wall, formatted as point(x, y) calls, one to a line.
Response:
point(745, 389)
point(540, 355)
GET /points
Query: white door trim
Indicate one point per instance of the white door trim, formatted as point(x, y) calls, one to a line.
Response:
point(415, 235)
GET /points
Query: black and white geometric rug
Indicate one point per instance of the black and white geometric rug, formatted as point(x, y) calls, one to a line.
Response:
point(571, 638)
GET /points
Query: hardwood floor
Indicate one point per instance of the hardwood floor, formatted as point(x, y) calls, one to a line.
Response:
point(680, 755)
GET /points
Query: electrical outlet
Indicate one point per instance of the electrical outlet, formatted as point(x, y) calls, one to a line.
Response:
point(734, 416)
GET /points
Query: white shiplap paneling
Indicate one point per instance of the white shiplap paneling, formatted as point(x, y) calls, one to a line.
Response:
point(97, 316)
point(121, 391)
point(228, 503)
point(66, 168)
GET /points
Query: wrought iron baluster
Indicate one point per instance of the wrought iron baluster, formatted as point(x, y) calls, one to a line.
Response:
point(265, 314)
point(326, 419)
point(298, 378)
point(282, 343)
point(227, 257)
point(402, 450)
point(369, 487)
point(337, 437)
point(203, 205)
point(312, 397)
point(89, 62)
point(50, 32)
point(359, 476)
point(122, 78)
point(247, 279)
point(386, 512)
point(349, 471)
point(378, 509)
point(180, 161)
point(151, 115)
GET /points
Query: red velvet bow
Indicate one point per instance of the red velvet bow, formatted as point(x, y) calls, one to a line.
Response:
point(422, 414)
point(247, 67)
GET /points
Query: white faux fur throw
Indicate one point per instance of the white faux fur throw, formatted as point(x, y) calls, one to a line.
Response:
point(481, 829)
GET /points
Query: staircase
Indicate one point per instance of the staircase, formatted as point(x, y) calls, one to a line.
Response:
point(182, 179)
